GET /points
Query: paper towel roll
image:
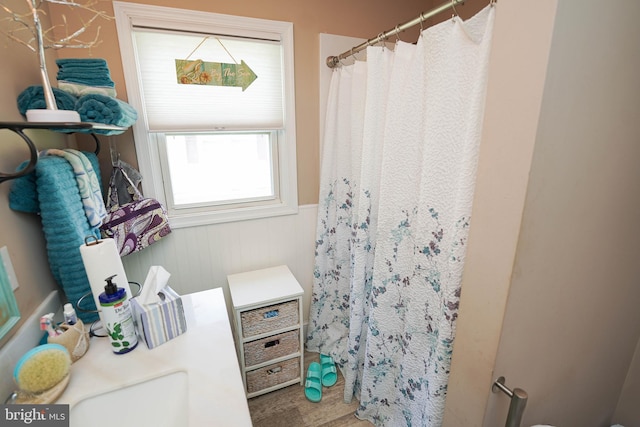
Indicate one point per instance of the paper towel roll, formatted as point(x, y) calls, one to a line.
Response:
point(101, 260)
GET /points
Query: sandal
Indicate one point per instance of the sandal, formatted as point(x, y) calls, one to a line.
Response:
point(329, 373)
point(313, 384)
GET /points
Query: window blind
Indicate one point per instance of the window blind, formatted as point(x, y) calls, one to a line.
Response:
point(170, 106)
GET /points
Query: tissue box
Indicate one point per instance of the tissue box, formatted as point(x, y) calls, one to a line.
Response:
point(160, 322)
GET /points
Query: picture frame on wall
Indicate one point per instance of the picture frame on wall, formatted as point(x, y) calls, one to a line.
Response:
point(9, 313)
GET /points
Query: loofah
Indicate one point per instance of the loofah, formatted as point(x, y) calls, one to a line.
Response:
point(42, 367)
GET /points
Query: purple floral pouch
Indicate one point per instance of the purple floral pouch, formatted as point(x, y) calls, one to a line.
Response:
point(135, 225)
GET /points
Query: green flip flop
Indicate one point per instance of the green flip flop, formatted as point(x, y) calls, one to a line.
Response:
point(329, 373)
point(313, 384)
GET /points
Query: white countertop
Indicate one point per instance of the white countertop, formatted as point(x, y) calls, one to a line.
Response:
point(206, 352)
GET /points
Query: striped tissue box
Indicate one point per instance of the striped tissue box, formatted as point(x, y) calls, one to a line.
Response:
point(161, 322)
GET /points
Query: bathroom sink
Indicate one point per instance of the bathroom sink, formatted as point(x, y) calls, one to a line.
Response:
point(192, 380)
point(158, 402)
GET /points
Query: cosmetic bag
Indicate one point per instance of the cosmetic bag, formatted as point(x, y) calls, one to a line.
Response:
point(134, 225)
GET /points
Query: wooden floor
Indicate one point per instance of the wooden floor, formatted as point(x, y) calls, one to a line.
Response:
point(288, 407)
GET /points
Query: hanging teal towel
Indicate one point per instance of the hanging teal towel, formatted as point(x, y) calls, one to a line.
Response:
point(52, 190)
point(87, 183)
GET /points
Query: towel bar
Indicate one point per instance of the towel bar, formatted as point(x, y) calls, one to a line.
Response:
point(518, 402)
point(19, 127)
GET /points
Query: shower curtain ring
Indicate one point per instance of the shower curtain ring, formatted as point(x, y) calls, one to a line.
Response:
point(455, 12)
point(397, 31)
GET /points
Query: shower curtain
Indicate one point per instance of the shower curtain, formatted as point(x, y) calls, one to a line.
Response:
point(397, 178)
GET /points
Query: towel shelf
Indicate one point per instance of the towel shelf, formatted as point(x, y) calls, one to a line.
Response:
point(19, 127)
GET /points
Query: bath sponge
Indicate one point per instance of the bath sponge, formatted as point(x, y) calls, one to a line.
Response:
point(42, 368)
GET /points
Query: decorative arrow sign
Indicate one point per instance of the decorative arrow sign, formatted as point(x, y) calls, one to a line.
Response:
point(198, 72)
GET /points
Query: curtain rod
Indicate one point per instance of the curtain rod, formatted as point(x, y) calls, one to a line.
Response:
point(333, 61)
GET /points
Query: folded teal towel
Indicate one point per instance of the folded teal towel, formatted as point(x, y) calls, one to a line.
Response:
point(81, 62)
point(93, 72)
point(83, 67)
point(32, 98)
point(104, 109)
point(86, 71)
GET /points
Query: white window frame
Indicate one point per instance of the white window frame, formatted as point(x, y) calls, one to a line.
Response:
point(129, 15)
point(160, 139)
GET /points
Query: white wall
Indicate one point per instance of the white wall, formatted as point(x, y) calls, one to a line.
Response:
point(200, 258)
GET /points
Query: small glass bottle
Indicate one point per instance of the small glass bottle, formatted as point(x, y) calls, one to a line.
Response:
point(70, 317)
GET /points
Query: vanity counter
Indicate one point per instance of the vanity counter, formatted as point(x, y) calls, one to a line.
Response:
point(205, 352)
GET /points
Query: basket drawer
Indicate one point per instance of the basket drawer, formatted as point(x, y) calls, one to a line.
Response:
point(269, 318)
point(272, 375)
point(272, 347)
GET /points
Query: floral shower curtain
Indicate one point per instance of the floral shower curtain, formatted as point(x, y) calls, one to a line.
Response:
point(397, 178)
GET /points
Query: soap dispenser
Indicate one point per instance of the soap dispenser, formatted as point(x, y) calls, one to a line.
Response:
point(117, 318)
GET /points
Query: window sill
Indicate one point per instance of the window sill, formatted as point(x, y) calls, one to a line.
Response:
point(230, 215)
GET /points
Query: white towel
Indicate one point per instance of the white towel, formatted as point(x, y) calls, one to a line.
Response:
point(78, 89)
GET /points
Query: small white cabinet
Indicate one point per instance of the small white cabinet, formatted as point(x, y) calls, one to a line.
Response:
point(267, 307)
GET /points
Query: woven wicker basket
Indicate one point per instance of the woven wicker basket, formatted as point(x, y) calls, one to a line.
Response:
point(270, 318)
point(272, 347)
point(271, 375)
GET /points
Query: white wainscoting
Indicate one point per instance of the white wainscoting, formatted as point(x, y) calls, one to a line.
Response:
point(200, 258)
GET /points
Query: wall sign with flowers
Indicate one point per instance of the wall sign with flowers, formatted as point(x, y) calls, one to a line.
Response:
point(198, 72)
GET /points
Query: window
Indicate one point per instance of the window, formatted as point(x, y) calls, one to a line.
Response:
point(243, 162)
point(216, 135)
